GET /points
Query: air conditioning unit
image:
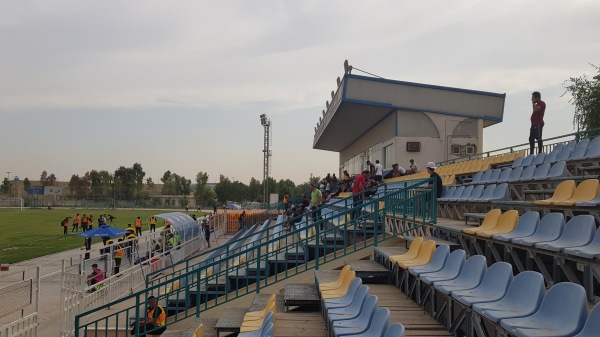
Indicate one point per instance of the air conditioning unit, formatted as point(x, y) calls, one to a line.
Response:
point(413, 146)
point(455, 150)
point(470, 150)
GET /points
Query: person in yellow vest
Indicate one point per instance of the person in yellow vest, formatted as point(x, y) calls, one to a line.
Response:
point(91, 222)
point(138, 226)
point(286, 204)
point(153, 223)
point(119, 251)
point(155, 321)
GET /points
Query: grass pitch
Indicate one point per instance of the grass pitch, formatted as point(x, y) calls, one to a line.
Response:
point(33, 233)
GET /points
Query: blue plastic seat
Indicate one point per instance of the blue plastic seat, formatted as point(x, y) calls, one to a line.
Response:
point(435, 264)
point(465, 195)
point(515, 174)
point(549, 229)
point(551, 157)
point(527, 173)
point(493, 287)
point(579, 231)
point(353, 309)
point(447, 193)
point(580, 150)
point(564, 154)
point(501, 193)
point(539, 159)
point(470, 276)
point(527, 161)
point(394, 330)
point(558, 170)
point(355, 326)
point(476, 194)
point(476, 178)
point(263, 330)
point(377, 326)
point(591, 327)
point(590, 251)
point(346, 299)
point(493, 178)
point(526, 226)
point(486, 194)
point(593, 151)
point(562, 314)
point(485, 176)
point(541, 172)
point(595, 140)
point(368, 305)
point(451, 269)
point(504, 175)
point(457, 193)
point(522, 298)
point(517, 162)
point(571, 145)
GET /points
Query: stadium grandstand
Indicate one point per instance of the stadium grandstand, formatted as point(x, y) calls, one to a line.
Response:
point(511, 247)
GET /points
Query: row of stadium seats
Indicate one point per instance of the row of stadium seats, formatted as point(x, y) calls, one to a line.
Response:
point(349, 310)
point(479, 193)
point(260, 323)
point(586, 194)
point(516, 305)
point(544, 171)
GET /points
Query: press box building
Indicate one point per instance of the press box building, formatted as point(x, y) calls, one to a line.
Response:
point(394, 121)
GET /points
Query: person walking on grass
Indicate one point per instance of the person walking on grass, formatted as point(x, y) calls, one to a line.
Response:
point(138, 226)
point(75, 224)
point(65, 224)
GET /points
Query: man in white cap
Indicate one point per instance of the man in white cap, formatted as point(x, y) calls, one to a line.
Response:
point(438, 180)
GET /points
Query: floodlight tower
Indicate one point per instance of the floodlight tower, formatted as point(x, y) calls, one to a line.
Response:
point(266, 123)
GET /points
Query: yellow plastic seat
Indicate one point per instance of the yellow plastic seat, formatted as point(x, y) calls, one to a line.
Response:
point(425, 254)
point(587, 190)
point(564, 191)
point(489, 222)
point(341, 291)
point(337, 283)
point(199, 331)
point(252, 316)
point(412, 252)
point(506, 224)
point(263, 312)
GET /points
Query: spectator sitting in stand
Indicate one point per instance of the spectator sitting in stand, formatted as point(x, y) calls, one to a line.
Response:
point(346, 175)
point(413, 168)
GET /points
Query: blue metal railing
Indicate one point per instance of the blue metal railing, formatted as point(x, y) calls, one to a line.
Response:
point(345, 226)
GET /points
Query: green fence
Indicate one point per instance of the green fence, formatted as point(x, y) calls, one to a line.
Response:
point(247, 264)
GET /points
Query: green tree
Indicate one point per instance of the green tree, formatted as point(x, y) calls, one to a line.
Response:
point(224, 189)
point(79, 185)
point(254, 190)
point(26, 184)
point(47, 180)
point(5, 186)
point(203, 194)
point(286, 186)
point(585, 96)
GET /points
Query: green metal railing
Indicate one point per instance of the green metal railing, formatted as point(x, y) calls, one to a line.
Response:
point(344, 227)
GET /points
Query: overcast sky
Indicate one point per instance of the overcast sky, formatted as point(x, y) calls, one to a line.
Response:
point(180, 85)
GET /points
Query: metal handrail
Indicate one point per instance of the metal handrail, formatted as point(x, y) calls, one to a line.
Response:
point(415, 207)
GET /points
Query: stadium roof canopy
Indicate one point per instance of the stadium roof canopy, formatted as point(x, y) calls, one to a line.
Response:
point(361, 102)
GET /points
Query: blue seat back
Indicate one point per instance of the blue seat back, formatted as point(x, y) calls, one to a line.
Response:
point(440, 255)
point(485, 177)
point(528, 173)
point(566, 304)
point(501, 192)
point(379, 324)
point(517, 163)
point(539, 159)
point(488, 192)
point(528, 160)
point(497, 278)
point(542, 171)
point(526, 291)
point(579, 231)
point(593, 151)
point(579, 150)
point(449, 192)
point(527, 224)
point(472, 271)
point(550, 228)
point(477, 177)
point(571, 145)
point(454, 263)
point(504, 174)
point(559, 169)
point(515, 174)
point(395, 330)
point(564, 154)
point(477, 192)
point(592, 323)
point(495, 175)
point(595, 140)
point(467, 193)
point(459, 192)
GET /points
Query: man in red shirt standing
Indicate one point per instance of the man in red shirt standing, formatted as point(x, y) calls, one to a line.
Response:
point(537, 122)
point(360, 184)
